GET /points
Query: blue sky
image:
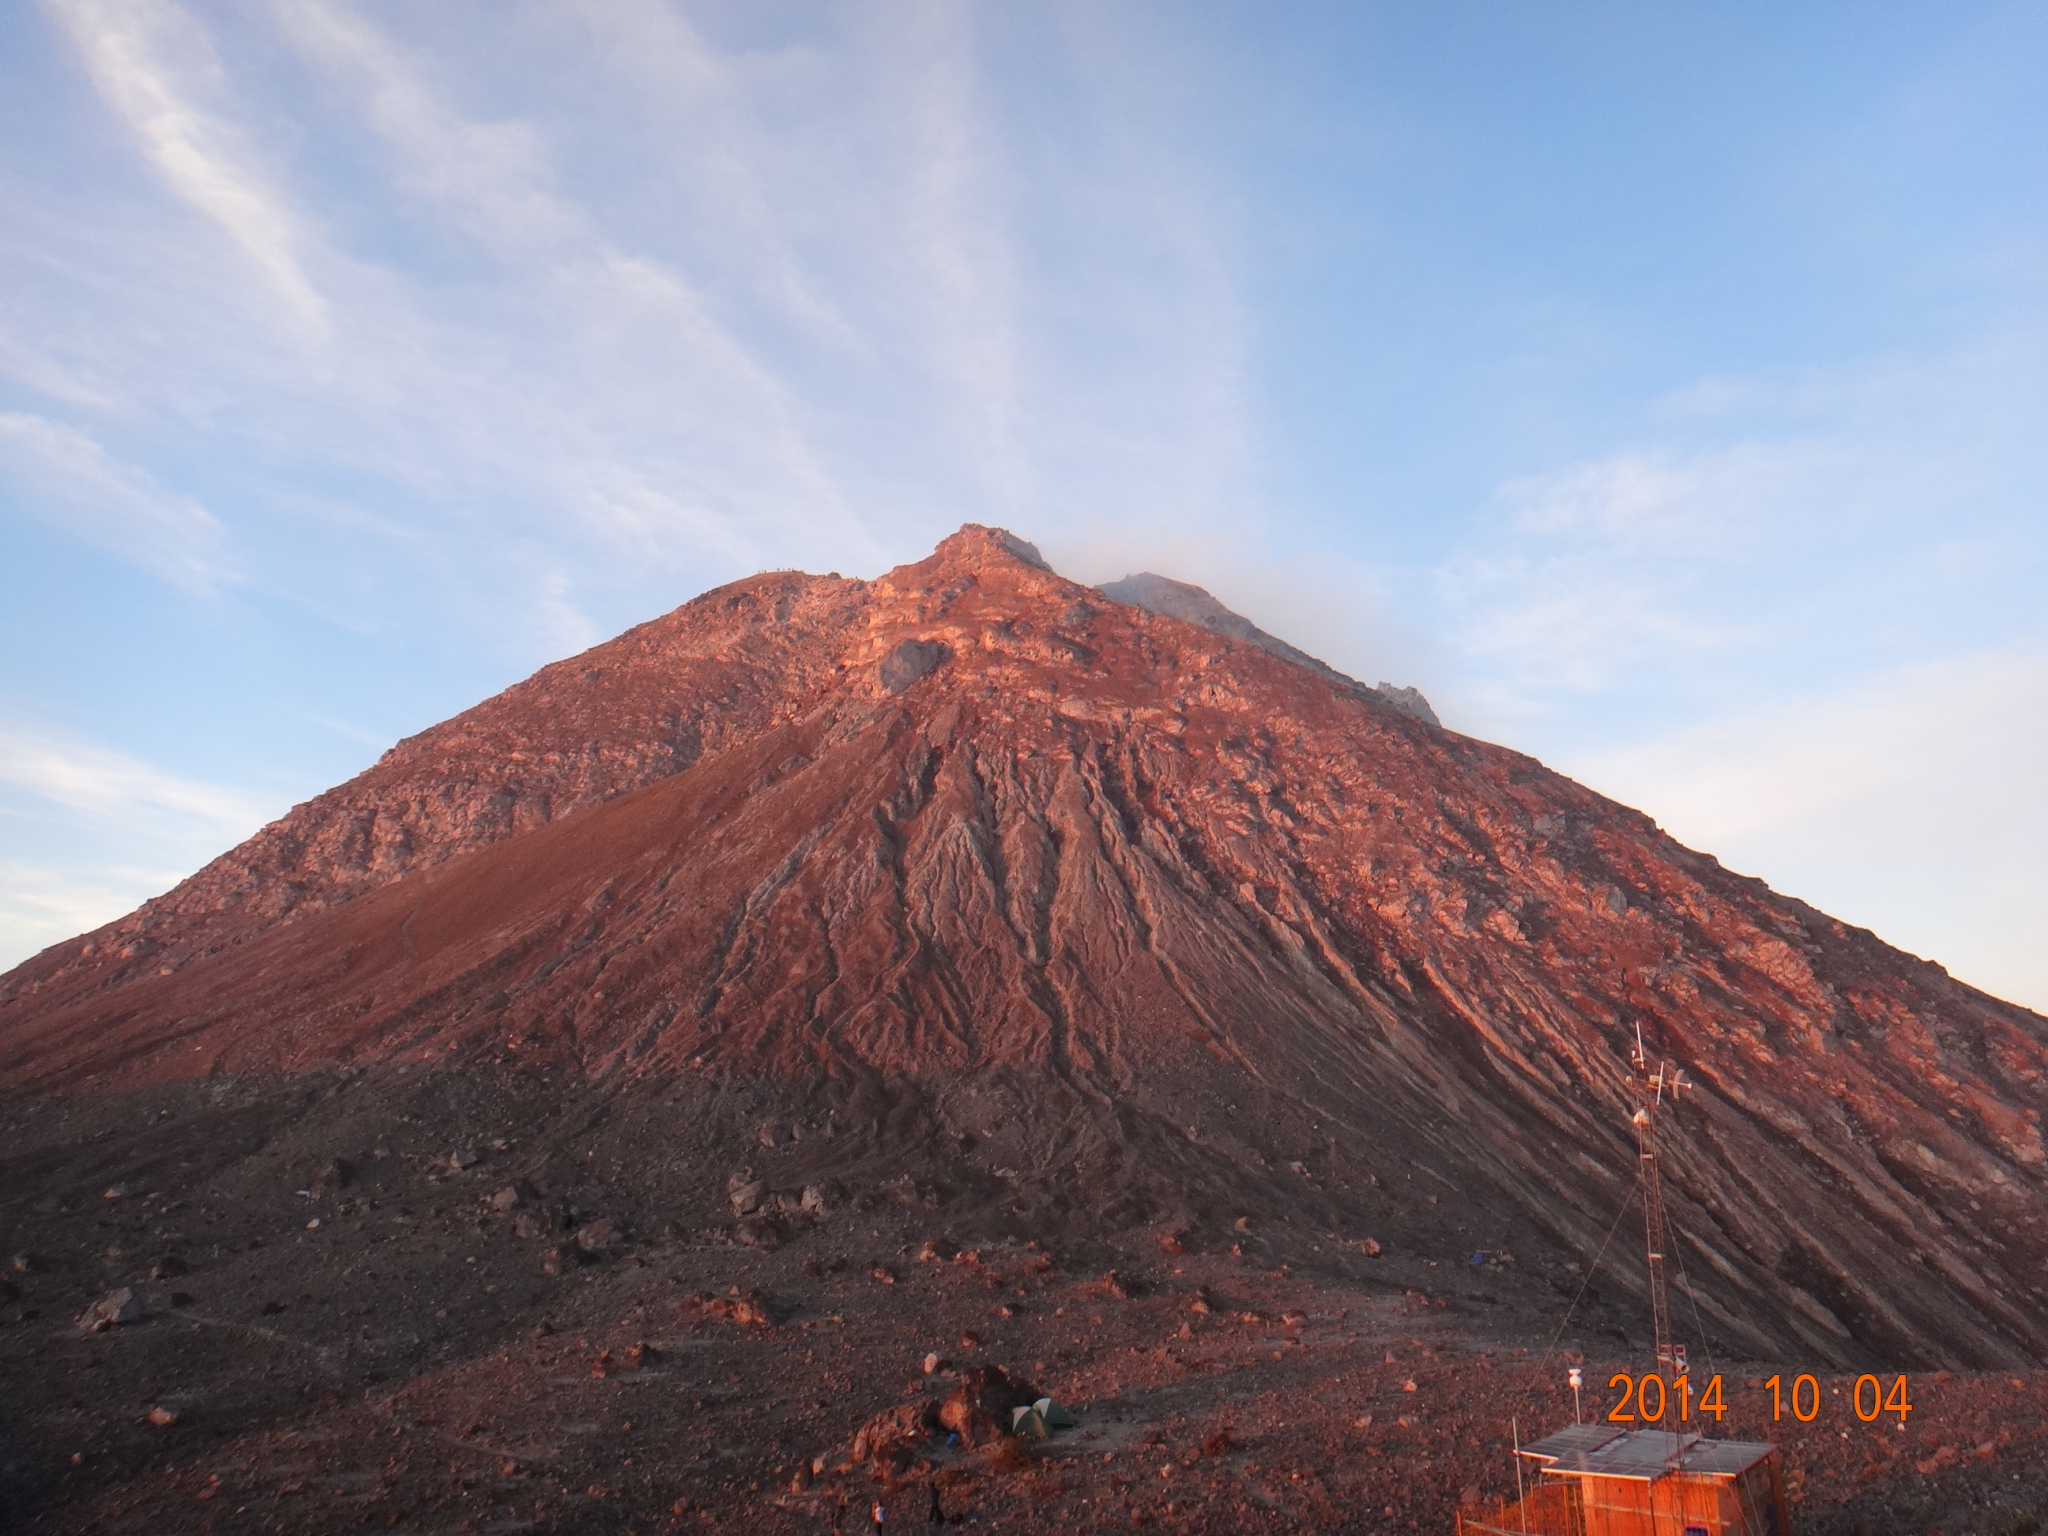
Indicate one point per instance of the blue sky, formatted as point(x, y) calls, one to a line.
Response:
point(1660, 387)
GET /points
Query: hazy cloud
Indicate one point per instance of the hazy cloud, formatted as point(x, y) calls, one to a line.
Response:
point(1908, 803)
point(93, 832)
point(43, 904)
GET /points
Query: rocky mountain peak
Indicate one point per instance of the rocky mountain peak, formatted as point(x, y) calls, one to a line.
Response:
point(1188, 923)
point(973, 548)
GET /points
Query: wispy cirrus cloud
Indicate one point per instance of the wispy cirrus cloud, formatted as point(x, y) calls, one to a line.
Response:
point(67, 480)
point(745, 304)
point(118, 789)
point(157, 70)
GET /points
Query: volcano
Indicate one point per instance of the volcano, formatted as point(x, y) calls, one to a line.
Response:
point(1083, 916)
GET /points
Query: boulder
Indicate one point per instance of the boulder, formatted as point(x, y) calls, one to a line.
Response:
point(979, 1407)
point(114, 1309)
point(910, 660)
point(893, 1432)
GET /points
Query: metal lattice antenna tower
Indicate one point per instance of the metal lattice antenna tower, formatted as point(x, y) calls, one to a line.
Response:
point(1650, 1090)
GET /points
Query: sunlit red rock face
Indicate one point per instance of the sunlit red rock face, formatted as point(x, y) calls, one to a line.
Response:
point(1199, 912)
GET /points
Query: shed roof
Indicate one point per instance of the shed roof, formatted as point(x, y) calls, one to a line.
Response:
point(1595, 1450)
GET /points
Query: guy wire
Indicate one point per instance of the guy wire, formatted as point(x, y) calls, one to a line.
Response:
point(1699, 1327)
point(1627, 1201)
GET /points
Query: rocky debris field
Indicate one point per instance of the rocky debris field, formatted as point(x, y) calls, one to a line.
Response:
point(462, 1306)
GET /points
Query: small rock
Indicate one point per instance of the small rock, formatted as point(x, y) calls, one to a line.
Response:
point(1408, 1386)
point(884, 1274)
point(762, 1232)
point(506, 1199)
point(598, 1236)
point(1369, 1247)
point(1293, 1319)
point(769, 1135)
point(115, 1192)
point(749, 1309)
point(560, 1257)
point(162, 1418)
point(335, 1173)
point(935, 1250)
point(1174, 1241)
point(114, 1309)
point(935, 1362)
point(817, 1200)
point(24, 1263)
point(464, 1157)
point(746, 1193)
point(1201, 1303)
point(529, 1224)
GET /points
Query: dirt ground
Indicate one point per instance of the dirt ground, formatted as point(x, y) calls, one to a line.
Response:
point(342, 1329)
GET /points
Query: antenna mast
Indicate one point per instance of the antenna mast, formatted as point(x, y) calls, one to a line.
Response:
point(1650, 1089)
